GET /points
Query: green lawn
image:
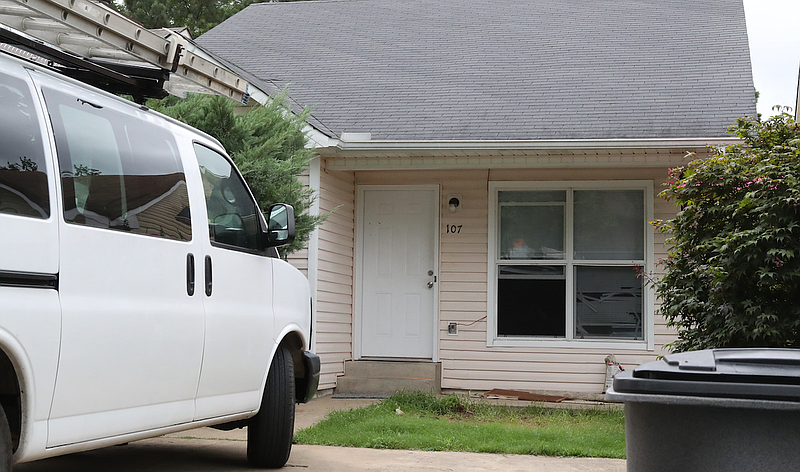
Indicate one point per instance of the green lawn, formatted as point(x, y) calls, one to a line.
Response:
point(452, 423)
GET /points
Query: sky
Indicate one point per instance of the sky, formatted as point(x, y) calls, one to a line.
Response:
point(773, 29)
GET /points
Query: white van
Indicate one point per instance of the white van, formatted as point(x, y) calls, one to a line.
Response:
point(139, 289)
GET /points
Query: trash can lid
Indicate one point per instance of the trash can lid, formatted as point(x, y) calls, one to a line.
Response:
point(752, 373)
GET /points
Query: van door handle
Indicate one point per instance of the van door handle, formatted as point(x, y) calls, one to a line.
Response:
point(208, 276)
point(190, 274)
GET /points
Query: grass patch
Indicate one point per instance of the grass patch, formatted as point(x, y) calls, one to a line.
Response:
point(451, 423)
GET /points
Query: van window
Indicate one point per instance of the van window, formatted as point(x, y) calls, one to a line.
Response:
point(117, 171)
point(23, 178)
point(233, 217)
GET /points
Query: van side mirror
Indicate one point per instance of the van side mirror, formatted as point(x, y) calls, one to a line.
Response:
point(280, 226)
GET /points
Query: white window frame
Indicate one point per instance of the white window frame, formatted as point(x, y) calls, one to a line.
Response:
point(648, 295)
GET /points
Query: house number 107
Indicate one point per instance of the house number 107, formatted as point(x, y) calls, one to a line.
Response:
point(455, 229)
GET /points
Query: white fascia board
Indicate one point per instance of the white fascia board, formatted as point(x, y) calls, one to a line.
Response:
point(469, 154)
point(534, 145)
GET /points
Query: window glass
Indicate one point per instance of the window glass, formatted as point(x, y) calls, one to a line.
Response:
point(233, 217)
point(566, 263)
point(532, 225)
point(23, 178)
point(531, 301)
point(118, 172)
point(609, 224)
point(608, 302)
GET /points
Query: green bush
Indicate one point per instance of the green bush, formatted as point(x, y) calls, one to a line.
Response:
point(733, 273)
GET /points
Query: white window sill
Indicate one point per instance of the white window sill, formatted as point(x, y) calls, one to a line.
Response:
point(613, 344)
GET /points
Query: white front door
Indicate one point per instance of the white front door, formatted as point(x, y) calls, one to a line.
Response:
point(399, 272)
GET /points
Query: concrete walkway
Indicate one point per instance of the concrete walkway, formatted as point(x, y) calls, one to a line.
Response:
point(209, 450)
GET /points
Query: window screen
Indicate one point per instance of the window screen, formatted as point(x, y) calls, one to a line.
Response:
point(608, 302)
point(532, 225)
point(609, 225)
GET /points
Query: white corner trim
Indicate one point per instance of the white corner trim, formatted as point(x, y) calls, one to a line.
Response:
point(314, 172)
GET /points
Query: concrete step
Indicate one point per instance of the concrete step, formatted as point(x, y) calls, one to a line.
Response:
point(380, 378)
point(392, 369)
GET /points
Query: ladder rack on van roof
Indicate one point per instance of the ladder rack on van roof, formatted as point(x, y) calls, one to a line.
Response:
point(90, 41)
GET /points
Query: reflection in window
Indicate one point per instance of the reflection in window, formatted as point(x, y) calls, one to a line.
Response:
point(118, 172)
point(532, 225)
point(608, 302)
point(233, 217)
point(23, 178)
point(608, 224)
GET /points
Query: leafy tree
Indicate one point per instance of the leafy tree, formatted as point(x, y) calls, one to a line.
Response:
point(198, 16)
point(150, 13)
point(733, 273)
point(268, 145)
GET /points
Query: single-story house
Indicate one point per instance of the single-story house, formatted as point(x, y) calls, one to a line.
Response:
point(494, 167)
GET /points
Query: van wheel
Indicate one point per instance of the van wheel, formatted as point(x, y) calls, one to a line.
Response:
point(270, 432)
point(6, 451)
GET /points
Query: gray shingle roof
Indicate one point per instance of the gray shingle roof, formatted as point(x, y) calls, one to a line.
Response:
point(500, 69)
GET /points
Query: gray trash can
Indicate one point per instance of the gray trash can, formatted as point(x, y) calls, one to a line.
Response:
point(715, 410)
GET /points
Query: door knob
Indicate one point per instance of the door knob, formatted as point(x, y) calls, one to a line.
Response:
point(430, 284)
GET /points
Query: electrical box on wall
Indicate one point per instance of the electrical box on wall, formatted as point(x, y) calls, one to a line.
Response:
point(452, 328)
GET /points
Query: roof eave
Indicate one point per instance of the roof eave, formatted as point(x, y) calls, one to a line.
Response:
point(469, 154)
point(534, 145)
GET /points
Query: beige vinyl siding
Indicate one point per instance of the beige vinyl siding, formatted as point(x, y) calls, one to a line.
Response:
point(467, 362)
point(463, 272)
point(334, 297)
point(663, 210)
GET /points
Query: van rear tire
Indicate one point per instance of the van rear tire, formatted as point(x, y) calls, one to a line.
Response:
point(6, 450)
point(270, 432)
